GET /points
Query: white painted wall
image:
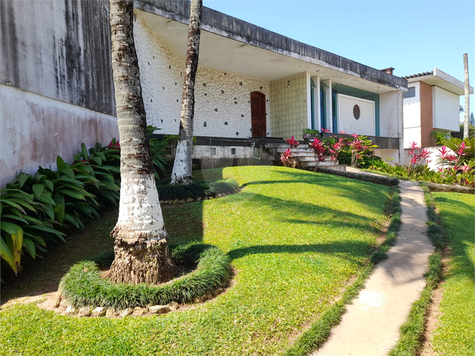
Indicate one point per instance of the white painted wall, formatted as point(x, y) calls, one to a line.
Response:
point(412, 134)
point(445, 108)
point(390, 114)
point(222, 108)
point(365, 125)
point(387, 155)
point(412, 117)
point(35, 129)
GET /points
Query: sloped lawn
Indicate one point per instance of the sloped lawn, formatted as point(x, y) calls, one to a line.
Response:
point(296, 238)
point(455, 334)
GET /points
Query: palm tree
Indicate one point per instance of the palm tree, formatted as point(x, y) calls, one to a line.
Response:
point(181, 173)
point(141, 250)
point(467, 97)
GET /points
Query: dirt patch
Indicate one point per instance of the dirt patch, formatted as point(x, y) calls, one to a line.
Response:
point(42, 276)
point(433, 312)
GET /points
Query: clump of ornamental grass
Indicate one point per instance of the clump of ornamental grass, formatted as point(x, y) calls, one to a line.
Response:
point(83, 285)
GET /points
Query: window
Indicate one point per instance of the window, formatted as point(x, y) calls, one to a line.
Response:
point(356, 112)
point(410, 93)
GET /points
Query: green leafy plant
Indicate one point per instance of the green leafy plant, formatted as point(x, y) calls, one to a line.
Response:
point(37, 209)
point(14, 205)
point(158, 151)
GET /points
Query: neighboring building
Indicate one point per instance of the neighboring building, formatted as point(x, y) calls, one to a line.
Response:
point(253, 86)
point(431, 103)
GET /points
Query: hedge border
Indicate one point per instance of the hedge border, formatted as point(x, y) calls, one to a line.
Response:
point(196, 190)
point(83, 285)
point(373, 178)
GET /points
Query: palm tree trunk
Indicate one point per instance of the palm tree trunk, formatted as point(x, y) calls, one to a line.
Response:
point(466, 123)
point(182, 166)
point(141, 251)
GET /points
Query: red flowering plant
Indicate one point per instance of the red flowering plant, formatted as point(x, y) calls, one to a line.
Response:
point(286, 158)
point(292, 142)
point(115, 145)
point(319, 147)
point(455, 166)
point(419, 156)
point(361, 150)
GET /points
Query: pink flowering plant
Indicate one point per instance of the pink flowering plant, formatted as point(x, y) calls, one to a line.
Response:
point(320, 148)
point(285, 156)
point(356, 151)
point(292, 142)
point(456, 164)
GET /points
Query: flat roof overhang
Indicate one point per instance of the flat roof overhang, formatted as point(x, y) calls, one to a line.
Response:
point(442, 80)
point(235, 46)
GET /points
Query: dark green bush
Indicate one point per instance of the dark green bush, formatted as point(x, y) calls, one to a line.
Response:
point(197, 189)
point(83, 285)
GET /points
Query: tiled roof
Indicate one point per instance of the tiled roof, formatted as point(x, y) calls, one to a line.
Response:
point(418, 75)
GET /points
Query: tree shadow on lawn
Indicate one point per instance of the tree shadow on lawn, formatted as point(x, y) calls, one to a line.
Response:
point(350, 250)
point(358, 190)
point(280, 210)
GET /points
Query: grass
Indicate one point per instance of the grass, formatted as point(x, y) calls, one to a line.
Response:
point(455, 334)
point(297, 240)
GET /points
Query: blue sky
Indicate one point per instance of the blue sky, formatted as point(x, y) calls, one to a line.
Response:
point(411, 36)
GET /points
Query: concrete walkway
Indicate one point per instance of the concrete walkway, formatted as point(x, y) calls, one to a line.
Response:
point(370, 327)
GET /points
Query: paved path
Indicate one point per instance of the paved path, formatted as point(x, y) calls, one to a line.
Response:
point(370, 327)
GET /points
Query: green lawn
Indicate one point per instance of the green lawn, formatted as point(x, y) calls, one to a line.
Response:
point(455, 334)
point(296, 239)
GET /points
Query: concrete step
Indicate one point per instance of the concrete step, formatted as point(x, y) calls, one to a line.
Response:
point(321, 164)
point(296, 150)
point(312, 159)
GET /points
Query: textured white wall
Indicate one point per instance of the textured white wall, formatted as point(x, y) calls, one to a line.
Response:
point(445, 108)
point(289, 105)
point(222, 108)
point(35, 129)
point(346, 120)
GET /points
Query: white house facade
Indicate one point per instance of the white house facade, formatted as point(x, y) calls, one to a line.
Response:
point(254, 83)
point(431, 103)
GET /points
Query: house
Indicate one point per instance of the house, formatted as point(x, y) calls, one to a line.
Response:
point(253, 86)
point(431, 103)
